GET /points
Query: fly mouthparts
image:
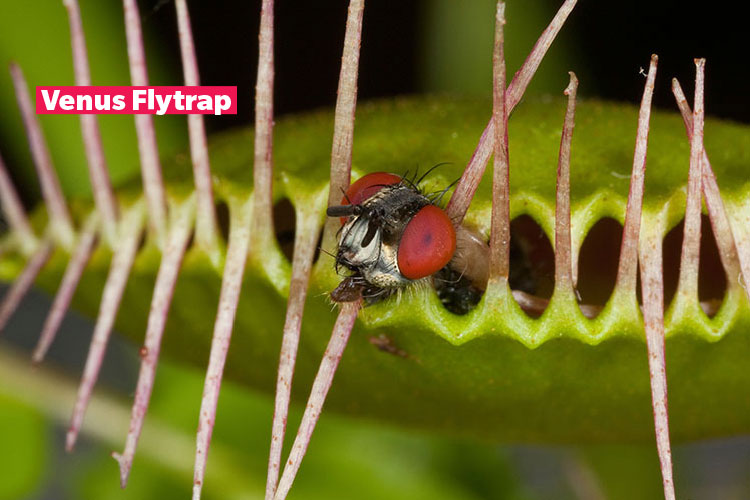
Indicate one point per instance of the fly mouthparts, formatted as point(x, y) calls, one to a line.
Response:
point(344, 210)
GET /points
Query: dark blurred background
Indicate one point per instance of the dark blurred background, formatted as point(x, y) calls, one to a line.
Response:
point(408, 47)
point(610, 41)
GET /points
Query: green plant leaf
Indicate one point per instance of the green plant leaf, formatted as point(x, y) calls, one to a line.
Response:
point(23, 432)
point(495, 372)
point(395, 464)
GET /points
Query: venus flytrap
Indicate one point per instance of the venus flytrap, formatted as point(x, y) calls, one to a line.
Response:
point(569, 375)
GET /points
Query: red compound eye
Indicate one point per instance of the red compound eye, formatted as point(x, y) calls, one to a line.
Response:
point(428, 243)
point(367, 186)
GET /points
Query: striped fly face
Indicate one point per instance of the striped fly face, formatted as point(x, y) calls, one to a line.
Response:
point(363, 250)
point(390, 238)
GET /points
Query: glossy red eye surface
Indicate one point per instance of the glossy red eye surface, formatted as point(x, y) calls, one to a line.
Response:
point(367, 186)
point(428, 243)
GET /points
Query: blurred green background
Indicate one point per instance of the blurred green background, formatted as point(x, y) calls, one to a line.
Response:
point(408, 47)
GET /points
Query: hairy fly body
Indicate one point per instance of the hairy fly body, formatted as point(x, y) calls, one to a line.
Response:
point(393, 235)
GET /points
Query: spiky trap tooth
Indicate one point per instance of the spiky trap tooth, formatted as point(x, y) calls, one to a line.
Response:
point(62, 226)
point(322, 383)
point(652, 285)
point(721, 226)
point(231, 285)
point(499, 257)
point(153, 184)
point(346, 104)
point(652, 281)
point(627, 267)
point(166, 279)
point(304, 251)
point(523, 76)
point(206, 227)
point(563, 254)
point(458, 205)
point(23, 282)
point(687, 288)
point(92, 140)
point(126, 248)
point(340, 177)
point(263, 151)
point(263, 221)
point(78, 261)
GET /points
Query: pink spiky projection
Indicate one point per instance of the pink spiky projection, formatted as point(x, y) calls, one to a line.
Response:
point(174, 224)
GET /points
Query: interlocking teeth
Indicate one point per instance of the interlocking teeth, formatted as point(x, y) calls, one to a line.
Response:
point(73, 272)
point(563, 259)
point(166, 279)
point(206, 234)
point(304, 251)
point(23, 282)
point(736, 264)
point(252, 225)
point(628, 264)
point(231, 285)
point(687, 288)
point(106, 204)
point(652, 282)
point(61, 225)
point(467, 185)
point(130, 230)
point(148, 150)
point(499, 256)
point(340, 177)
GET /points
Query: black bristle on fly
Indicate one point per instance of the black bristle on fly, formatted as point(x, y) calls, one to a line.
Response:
point(457, 293)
